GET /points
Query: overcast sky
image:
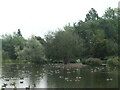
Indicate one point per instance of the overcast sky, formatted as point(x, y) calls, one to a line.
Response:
point(40, 16)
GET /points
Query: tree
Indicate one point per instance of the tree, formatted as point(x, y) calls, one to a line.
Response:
point(100, 48)
point(41, 40)
point(64, 45)
point(92, 15)
point(9, 42)
point(110, 13)
point(32, 51)
point(99, 29)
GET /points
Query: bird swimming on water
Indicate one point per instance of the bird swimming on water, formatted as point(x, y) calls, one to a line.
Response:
point(28, 88)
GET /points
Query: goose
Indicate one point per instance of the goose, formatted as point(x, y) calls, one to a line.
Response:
point(21, 78)
point(73, 71)
point(76, 77)
point(108, 79)
point(68, 72)
point(75, 80)
point(21, 81)
point(28, 88)
point(34, 85)
point(66, 78)
point(4, 85)
point(67, 69)
point(77, 69)
point(7, 79)
point(111, 79)
point(60, 76)
point(79, 77)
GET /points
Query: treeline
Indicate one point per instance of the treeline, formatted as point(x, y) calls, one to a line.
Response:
point(95, 37)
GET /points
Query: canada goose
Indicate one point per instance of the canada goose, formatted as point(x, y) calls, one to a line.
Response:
point(4, 85)
point(21, 78)
point(66, 78)
point(28, 88)
point(73, 71)
point(77, 69)
point(109, 79)
point(21, 81)
point(60, 76)
point(76, 77)
point(67, 69)
point(7, 79)
point(34, 85)
point(68, 72)
point(79, 77)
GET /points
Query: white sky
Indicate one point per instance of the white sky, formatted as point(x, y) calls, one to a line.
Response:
point(40, 16)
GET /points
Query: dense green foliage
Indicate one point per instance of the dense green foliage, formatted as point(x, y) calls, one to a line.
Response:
point(93, 61)
point(64, 45)
point(9, 43)
point(96, 37)
point(32, 51)
point(100, 35)
point(113, 61)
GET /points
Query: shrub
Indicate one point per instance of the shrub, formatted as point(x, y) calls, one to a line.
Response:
point(93, 61)
point(83, 61)
point(73, 60)
point(113, 61)
point(32, 51)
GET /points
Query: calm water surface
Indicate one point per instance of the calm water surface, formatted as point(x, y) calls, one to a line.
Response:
point(53, 76)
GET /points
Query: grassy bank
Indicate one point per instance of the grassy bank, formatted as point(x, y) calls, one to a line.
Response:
point(9, 61)
point(109, 61)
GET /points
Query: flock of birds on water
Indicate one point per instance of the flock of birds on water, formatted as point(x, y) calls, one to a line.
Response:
point(52, 73)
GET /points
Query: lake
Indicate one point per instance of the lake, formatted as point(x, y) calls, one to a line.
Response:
point(55, 76)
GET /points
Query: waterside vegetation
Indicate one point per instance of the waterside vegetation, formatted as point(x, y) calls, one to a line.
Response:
point(93, 41)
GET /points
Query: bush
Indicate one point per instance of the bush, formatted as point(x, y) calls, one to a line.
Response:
point(33, 51)
point(73, 60)
point(83, 61)
point(93, 61)
point(113, 61)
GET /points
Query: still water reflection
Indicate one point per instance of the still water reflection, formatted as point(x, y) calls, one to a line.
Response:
point(53, 76)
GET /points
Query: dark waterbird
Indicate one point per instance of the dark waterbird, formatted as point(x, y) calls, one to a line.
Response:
point(21, 78)
point(28, 88)
point(7, 79)
point(4, 85)
point(21, 81)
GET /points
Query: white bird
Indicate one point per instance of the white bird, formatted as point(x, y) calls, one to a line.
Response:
point(79, 77)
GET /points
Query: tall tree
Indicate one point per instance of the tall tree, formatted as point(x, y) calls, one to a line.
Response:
point(92, 15)
point(64, 45)
point(9, 42)
point(32, 51)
